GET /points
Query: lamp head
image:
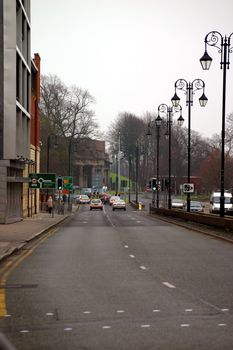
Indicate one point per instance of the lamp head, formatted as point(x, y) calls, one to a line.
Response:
point(206, 61)
point(203, 100)
point(175, 100)
point(158, 121)
point(180, 120)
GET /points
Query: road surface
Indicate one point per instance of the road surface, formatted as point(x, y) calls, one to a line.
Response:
point(119, 280)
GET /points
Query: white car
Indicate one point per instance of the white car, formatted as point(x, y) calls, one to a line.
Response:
point(177, 203)
point(119, 204)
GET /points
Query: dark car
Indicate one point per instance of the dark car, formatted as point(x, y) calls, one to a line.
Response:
point(105, 198)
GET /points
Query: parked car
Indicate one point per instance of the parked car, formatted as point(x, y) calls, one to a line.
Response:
point(119, 204)
point(195, 206)
point(113, 199)
point(84, 199)
point(177, 203)
point(96, 203)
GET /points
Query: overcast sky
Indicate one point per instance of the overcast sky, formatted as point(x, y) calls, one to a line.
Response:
point(129, 53)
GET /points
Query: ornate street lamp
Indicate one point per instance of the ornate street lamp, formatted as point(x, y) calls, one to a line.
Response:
point(169, 112)
point(223, 44)
point(157, 124)
point(189, 89)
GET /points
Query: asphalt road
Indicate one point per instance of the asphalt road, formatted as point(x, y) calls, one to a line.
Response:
point(123, 281)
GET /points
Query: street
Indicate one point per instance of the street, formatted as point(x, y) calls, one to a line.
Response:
point(120, 280)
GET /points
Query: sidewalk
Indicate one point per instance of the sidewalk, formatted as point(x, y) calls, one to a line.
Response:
point(16, 235)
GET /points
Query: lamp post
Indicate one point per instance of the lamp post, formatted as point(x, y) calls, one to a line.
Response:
point(169, 112)
point(189, 89)
point(157, 123)
point(223, 45)
point(136, 170)
point(119, 163)
point(48, 148)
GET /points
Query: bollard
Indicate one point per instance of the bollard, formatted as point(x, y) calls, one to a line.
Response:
point(140, 206)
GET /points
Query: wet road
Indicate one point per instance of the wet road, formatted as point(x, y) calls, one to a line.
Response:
point(121, 280)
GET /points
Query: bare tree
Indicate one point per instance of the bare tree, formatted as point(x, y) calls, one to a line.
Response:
point(65, 112)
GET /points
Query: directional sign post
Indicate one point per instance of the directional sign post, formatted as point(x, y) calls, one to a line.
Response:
point(42, 180)
point(188, 188)
point(67, 183)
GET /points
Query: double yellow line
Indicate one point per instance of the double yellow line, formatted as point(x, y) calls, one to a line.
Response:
point(10, 266)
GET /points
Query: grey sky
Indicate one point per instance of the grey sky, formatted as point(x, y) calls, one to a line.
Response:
point(129, 53)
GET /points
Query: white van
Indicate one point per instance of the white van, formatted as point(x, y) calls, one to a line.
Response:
point(215, 203)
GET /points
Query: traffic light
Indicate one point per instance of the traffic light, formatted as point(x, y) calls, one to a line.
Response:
point(154, 184)
point(59, 183)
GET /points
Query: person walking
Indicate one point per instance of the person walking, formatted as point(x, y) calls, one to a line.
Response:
point(50, 204)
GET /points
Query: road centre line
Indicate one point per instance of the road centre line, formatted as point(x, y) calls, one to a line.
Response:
point(169, 285)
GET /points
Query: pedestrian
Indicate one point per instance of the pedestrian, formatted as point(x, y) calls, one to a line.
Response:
point(50, 204)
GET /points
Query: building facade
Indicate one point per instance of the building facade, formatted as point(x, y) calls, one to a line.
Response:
point(15, 107)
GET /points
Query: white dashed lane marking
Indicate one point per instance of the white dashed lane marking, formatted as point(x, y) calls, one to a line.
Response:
point(169, 285)
point(68, 329)
point(143, 267)
point(132, 256)
point(185, 325)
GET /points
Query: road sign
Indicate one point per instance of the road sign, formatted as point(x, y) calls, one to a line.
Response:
point(42, 180)
point(188, 188)
point(67, 183)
